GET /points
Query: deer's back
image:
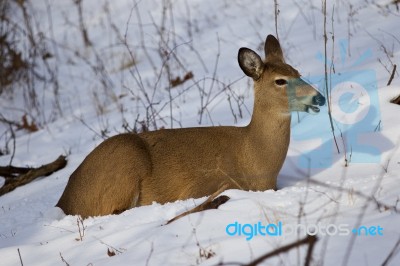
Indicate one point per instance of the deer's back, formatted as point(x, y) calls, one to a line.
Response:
point(194, 162)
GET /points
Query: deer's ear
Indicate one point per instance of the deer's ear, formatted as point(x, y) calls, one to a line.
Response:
point(273, 50)
point(251, 63)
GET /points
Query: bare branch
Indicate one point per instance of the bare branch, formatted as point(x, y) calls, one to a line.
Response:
point(211, 203)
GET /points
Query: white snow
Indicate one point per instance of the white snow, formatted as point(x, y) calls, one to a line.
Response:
point(203, 37)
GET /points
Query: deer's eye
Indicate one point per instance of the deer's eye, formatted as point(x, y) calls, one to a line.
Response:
point(281, 82)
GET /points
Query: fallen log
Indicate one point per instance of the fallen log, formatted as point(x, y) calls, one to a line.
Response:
point(12, 171)
point(28, 174)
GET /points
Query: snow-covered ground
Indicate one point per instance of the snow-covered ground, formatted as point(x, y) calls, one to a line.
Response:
point(123, 77)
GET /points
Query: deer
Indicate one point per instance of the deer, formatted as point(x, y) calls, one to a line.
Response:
point(136, 169)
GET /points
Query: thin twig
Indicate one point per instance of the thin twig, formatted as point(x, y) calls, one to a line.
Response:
point(392, 75)
point(82, 26)
point(150, 254)
point(310, 240)
point(20, 258)
point(14, 144)
point(392, 253)
point(276, 17)
point(378, 204)
point(81, 228)
point(119, 251)
point(326, 77)
point(63, 260)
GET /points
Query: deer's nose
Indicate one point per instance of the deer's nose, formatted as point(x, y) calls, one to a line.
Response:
point(318, 99)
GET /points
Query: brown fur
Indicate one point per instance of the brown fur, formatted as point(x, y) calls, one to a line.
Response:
point(131, 170)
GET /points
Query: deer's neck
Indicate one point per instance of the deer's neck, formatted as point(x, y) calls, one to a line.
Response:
point(270, 122)
point(269, 136)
